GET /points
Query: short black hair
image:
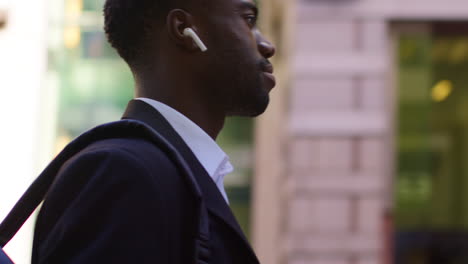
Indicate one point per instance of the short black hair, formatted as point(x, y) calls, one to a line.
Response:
point(128, 24)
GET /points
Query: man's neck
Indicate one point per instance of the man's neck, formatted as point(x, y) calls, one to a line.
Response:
point(207, 117)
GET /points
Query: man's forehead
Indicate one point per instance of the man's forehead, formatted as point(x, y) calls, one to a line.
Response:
point(229, 5)
point(238, 2)
point(250, 2)
point(247, 4)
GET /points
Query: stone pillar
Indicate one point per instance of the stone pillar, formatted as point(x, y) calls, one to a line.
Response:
point(268, 210)
point(323, 161)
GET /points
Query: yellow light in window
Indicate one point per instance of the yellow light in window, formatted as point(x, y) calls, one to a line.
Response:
point(72, 37)
point(72, 33)
point(442, 90)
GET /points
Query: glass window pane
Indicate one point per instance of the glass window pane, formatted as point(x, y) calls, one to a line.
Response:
point(94, 84)
point(431, 213)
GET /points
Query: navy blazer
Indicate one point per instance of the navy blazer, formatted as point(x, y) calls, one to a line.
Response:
point(124, 201)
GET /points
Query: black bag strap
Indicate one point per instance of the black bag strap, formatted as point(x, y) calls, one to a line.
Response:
point(36, 193)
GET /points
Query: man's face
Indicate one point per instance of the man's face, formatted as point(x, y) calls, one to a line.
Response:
point(238, 73)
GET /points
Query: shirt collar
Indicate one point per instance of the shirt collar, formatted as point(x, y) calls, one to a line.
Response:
point(213, 159)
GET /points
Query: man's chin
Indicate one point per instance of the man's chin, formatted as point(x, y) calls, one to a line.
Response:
point(252, 110)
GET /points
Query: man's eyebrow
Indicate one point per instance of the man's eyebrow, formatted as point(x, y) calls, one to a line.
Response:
point(249, 5)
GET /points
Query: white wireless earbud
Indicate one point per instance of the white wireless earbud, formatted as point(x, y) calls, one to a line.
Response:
point(190, 33)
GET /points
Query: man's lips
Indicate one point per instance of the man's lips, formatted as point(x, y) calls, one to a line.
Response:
point(271, 77)
point(268, 68)
point(268, 73)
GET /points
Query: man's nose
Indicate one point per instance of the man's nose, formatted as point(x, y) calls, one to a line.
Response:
point(265, 47)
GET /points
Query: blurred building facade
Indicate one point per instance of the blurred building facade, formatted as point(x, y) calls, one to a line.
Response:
point(368, 164)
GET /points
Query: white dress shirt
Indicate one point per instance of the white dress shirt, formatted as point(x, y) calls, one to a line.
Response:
point(213, 159)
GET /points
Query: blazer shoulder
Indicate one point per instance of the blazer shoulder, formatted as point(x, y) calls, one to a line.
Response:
point(116, 164)
point(136, 153)
point(112, 189)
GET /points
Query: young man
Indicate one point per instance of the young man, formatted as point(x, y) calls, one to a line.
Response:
point(134, 206)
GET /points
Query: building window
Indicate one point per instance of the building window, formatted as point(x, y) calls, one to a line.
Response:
point(431, 188)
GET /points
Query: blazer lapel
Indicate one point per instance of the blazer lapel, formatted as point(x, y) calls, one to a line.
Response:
point(215, 202)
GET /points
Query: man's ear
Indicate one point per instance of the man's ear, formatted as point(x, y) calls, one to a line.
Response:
point(177, 21)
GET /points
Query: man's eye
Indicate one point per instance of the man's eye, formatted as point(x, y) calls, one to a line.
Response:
point(251, 20)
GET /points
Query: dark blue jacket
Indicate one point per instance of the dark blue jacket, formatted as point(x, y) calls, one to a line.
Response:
point(122, 200)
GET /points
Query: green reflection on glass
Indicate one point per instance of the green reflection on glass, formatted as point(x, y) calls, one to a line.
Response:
point(431, 186)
